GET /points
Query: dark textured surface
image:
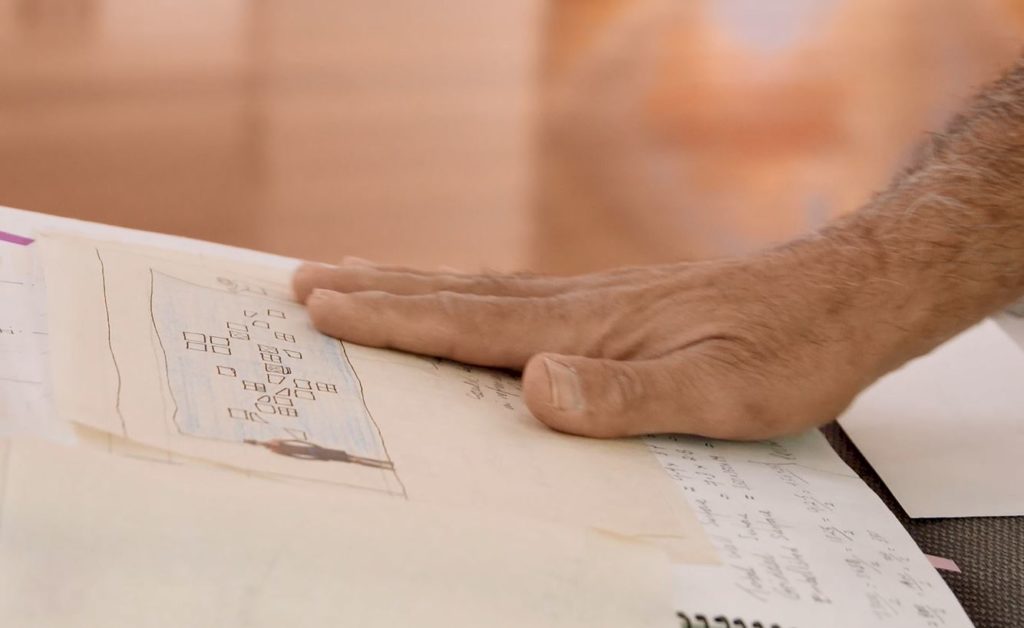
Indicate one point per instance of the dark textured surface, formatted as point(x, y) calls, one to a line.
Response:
point(988, 550)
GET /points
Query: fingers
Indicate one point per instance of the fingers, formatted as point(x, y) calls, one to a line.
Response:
point(608, 398)
point(349, 278)
point(490, 331)
point(356, 275)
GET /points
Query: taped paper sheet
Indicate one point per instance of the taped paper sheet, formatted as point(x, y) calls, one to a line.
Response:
point(88, 539)
point(212, 360)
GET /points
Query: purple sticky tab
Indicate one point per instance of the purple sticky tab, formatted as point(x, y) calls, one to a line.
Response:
point(944, 564)
point(15, 239)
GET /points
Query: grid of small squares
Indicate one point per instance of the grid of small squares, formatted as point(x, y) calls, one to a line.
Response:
point(280, 400)
point(195, 341)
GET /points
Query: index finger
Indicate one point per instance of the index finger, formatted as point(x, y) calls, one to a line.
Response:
point(490, 331)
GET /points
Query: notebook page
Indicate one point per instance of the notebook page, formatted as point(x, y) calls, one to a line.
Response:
point(802, 540)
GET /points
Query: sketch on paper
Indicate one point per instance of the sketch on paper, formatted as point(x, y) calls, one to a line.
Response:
point(241, 365)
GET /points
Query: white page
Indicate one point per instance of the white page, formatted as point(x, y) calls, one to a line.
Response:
point(1012, 324)
point(945, 432)
point(88, 539)
point(804, 542)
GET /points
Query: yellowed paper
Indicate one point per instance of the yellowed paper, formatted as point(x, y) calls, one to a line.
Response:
point(210, 359)
point(88, 539)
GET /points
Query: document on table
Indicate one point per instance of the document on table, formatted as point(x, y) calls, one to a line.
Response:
point(945, 431)
point(778, 532)
point(211, 359)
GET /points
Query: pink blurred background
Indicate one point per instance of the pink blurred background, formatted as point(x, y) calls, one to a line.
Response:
point(558, 135)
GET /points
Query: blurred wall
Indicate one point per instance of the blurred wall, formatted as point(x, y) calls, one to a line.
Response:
point(399, 131)
point(687, 130)
point(558, 135)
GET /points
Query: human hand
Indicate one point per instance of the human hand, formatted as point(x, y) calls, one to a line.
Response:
point(739, 349)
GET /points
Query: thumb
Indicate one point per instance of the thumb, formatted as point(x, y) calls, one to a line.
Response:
point(609, 398)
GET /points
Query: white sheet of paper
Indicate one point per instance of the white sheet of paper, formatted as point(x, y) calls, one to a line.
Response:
point(946, 431)
point(211, 359)
point(88, 539)
point(804, 542)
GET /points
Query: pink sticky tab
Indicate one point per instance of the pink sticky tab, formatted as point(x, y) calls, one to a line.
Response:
point(15, 239)
point(944, 564)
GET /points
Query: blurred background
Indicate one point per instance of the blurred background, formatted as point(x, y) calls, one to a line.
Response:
point(552, 135)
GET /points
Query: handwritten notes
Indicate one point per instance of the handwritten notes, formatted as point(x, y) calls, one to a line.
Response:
point(803, 541)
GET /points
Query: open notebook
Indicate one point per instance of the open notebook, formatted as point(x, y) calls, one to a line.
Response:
point(170, 350)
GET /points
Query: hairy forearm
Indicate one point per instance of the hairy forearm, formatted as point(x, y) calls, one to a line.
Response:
point(943, 246)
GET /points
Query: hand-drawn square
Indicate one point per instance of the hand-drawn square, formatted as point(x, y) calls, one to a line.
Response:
point(238, 327)
point(221, 350)
point(305, 394)
point(280, 335)
point(275, 313)
point(327, 388)
point(227, 371)
point(191, 336)
point(253, 417)
point(284, 401)
point(267, 349)
point(239, 335)
point(238, 413)
point(275, 379)
point(277, 368)
point(261, 324)
point(297, 355)
point(220, 341)
point(292, 412)
point(303, 383)
point(195, 346)
point(254, 386)
point(270, 357)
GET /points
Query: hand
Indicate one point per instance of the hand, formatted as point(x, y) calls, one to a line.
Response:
point(739, 349)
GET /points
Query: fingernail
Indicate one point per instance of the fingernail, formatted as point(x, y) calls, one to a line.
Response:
point(565, 386)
